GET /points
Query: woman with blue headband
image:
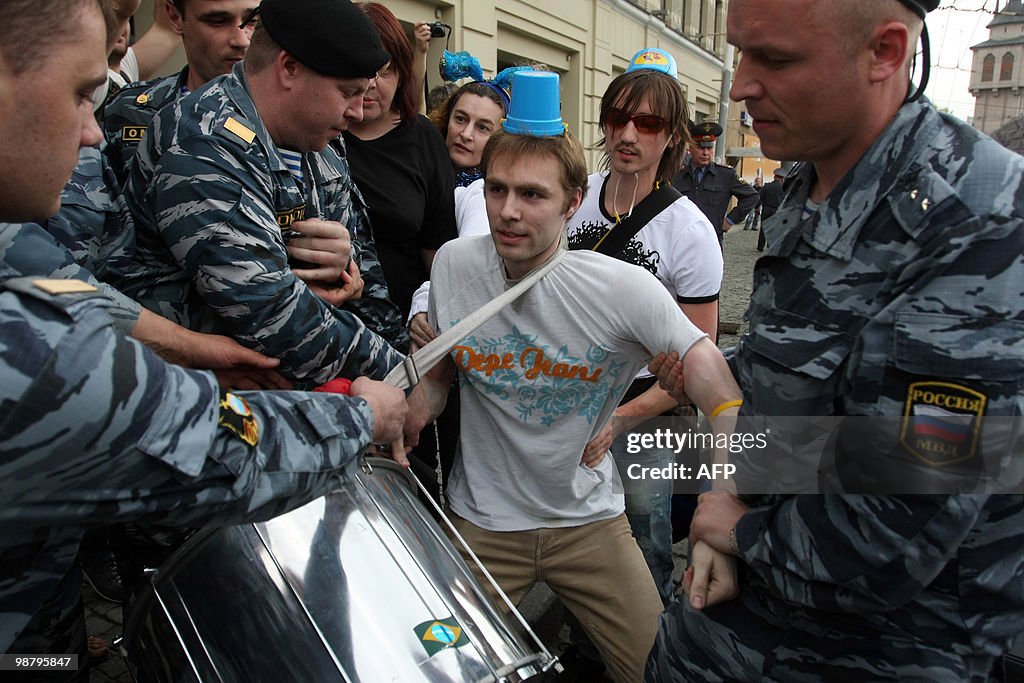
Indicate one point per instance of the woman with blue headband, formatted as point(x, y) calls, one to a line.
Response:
point(466, 122)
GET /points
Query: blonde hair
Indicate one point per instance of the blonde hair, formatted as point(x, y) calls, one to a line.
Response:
point(21, 20)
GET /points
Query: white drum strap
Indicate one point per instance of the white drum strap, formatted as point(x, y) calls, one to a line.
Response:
point(408, 373)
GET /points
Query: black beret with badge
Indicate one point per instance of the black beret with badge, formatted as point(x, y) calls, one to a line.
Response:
point(704, 134)
point(332, 37)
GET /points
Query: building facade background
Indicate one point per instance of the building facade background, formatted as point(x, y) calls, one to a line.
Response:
point(997, 71)
point(588, 43)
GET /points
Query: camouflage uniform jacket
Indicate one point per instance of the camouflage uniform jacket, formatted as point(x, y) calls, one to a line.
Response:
point(92, 230)
point(905, 286)
point(128, 114)
point(909, 276)
point(211, 195)
point(96, 429)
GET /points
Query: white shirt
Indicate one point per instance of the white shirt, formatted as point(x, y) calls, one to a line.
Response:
point(541, 378)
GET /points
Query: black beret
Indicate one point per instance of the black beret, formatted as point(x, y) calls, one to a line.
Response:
point(333, 37)
point(921, 7)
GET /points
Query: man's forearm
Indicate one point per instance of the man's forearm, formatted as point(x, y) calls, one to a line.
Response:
point(651, 403)
point(157, 44)
point(429, 397)
point(165, 338)
point(708, 381)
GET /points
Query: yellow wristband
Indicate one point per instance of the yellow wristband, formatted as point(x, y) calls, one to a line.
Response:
point(726, 406)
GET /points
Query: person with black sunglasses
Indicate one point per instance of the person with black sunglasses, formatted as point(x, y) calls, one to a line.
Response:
point(633, 213)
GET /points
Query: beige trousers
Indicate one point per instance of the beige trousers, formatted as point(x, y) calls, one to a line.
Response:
point(596, 569)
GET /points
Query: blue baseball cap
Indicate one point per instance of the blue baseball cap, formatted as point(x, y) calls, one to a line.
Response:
point(654, 58)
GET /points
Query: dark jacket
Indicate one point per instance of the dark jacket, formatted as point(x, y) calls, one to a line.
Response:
point(718, 186)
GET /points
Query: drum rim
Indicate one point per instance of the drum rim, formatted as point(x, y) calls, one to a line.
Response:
point(372, 462)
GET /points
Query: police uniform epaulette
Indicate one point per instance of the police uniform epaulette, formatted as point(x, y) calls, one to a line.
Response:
point(236, 127)
point(913, 203)
point(57, 291)
point(136, 93)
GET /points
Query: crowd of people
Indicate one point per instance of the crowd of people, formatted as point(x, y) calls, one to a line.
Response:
point(185, 259)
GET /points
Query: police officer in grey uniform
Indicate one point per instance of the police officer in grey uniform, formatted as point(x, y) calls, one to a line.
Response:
point(213, 44)
point(892, 285)
point(213, 197)
point(90, 236)
point(711, 186)
point(771, 198)
point(95, 427)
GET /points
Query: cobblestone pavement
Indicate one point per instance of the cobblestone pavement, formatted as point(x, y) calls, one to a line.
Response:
point(740, 248)
point(104, 618)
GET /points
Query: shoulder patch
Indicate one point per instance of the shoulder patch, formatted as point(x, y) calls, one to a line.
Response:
point(236, 416)
point(243, 132)
point(941, 422)
point(63, 286)
point(133, 134)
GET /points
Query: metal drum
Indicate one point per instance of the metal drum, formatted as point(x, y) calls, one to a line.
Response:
point(360, 585)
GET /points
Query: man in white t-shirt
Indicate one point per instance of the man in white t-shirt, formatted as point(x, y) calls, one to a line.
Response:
point(539, 381)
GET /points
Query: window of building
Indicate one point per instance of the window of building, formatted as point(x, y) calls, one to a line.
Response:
point(988, 67)
point(1006, 67)
point(702, 27)
point(719, 27)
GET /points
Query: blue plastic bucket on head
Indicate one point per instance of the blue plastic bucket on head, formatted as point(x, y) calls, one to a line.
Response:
point(536, 107)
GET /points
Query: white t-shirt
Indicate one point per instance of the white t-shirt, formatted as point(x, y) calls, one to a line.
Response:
point(129, 69)
point(541, 378)
point(679, 246)
point(471, 210)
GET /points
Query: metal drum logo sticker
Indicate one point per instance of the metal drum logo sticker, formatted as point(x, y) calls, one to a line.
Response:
point(440, 634)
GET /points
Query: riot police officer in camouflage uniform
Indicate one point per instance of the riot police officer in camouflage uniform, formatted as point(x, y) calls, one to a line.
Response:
point(223, 174)
point(216, 36)
point(710, 185)
point(96, 428)
point(892, 286)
